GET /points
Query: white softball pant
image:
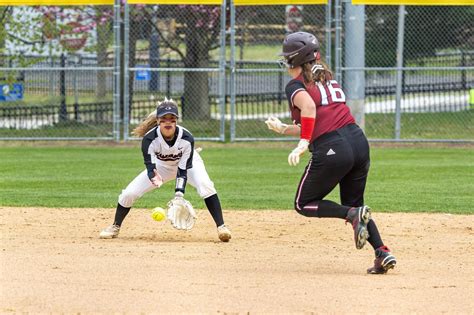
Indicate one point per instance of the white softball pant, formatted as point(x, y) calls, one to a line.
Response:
point(197, 177)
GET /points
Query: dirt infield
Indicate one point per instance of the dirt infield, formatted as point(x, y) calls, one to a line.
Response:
point(52, 261)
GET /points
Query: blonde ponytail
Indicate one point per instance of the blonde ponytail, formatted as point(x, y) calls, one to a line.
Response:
point(146, 125)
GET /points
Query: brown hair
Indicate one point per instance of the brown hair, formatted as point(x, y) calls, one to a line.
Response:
point(316, 71)
point(146, 125)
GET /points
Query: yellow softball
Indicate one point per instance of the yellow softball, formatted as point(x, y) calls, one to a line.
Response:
point(158, 214)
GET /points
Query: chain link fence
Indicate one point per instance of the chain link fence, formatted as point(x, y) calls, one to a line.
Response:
point(62, 75)
point(435, 78)
point(56, 73)
point(177, 51)
point(258, 86)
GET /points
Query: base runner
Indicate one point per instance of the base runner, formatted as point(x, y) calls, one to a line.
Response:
point(339, 148)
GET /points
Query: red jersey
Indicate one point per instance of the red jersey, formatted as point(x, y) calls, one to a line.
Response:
point(331, 110)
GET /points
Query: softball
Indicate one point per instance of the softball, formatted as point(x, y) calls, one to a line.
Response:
point(158, 214)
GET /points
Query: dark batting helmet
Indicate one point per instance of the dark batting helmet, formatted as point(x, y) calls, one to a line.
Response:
point(299, 48)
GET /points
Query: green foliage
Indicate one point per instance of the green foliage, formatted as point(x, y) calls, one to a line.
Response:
point(247, 176)
point(428, 29)
point(423, 35)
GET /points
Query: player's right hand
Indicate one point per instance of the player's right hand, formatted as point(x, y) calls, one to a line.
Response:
point(276, 125)
point(157, 180)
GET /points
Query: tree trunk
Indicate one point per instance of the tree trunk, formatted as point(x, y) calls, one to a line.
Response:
point(3, 34)
point(195, 102)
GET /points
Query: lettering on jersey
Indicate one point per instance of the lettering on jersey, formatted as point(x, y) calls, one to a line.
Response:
point(169, 157)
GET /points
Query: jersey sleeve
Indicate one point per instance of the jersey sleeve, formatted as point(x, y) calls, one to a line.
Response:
point(186, 161)
point(187, 141)
point(148, 151)
point(292, 88)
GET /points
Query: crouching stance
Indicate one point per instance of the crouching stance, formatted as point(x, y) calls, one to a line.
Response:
point(168, 152)
point(339, 148)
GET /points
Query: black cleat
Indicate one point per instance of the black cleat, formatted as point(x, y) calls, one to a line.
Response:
point(384, 260)
point(359, 218)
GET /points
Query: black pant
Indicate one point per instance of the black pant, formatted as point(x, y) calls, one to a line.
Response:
point(339, 157)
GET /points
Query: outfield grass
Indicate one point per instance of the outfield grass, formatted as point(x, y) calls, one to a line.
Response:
point(253, 176)
point(447, 125)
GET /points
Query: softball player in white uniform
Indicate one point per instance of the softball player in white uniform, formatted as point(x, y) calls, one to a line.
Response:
point(168, 153)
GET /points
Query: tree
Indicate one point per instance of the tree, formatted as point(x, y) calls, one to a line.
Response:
point(427, 30)
point(5, 13)
point(198, 35)
point(51, 31)
point(13, 33)
point(78, 22)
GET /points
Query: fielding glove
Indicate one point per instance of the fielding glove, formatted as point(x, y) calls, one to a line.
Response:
point(294, 157)
point(181, 213)
point(276, 125)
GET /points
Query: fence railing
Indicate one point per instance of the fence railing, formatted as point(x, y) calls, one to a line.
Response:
point(229, 90)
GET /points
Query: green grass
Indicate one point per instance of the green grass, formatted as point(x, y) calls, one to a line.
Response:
point(447, 125)
point(70, 129)
point(247, 176)
point(45, 100)
point(266, 52)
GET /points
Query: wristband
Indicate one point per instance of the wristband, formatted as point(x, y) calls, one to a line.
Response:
point(180, 184)
point(307, 127)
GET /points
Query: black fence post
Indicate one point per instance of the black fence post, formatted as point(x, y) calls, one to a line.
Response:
point(280, 87)
point(168, 79)
point(76, 112)
point(77, 60)
point(463, 72)
point(62, 90)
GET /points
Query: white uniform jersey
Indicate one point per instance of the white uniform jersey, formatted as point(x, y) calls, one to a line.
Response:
point(171, 161)
point(157, 152)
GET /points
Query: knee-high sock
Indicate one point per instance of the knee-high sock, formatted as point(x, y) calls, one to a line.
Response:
point(120, 214)
point(374, 236)
point(214, 206)
point(324, 209)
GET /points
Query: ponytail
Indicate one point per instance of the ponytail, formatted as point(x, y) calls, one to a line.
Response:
point(316, 71)
point(146, 125)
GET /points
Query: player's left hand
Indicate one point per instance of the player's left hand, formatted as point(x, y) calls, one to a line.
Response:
point(181, 213)
point(294, 157)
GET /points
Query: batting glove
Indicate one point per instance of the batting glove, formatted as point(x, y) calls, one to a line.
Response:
point(276, 125)
point(294, 157)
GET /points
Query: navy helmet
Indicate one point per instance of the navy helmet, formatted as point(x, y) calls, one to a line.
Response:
point(167, 107)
